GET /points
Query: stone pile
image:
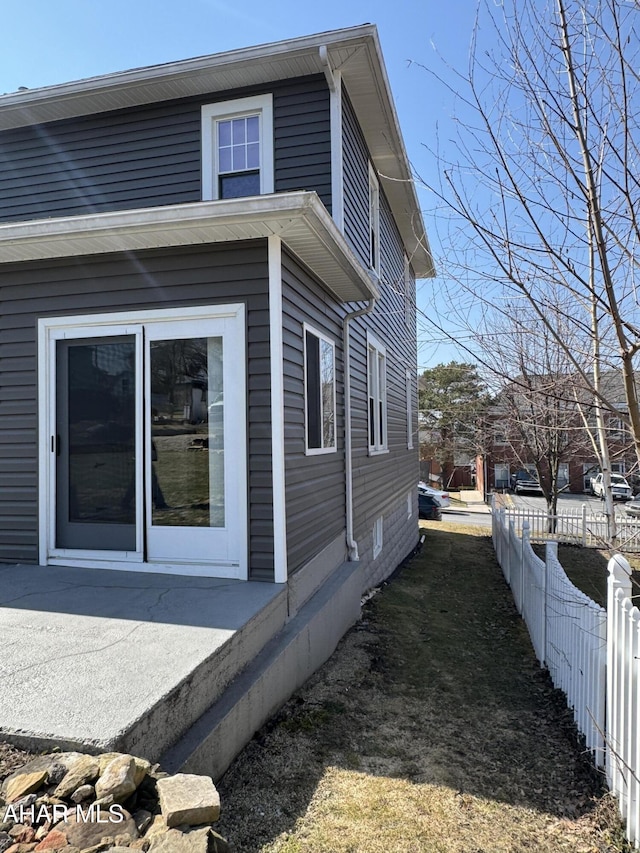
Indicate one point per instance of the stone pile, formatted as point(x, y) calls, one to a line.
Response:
point(77, 803)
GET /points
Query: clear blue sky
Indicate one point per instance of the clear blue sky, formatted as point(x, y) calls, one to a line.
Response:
point(55, 41)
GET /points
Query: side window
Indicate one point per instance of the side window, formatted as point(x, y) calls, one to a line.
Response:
point(320, 392)
point(374, 221)
point(237, 148)
point(377, 393)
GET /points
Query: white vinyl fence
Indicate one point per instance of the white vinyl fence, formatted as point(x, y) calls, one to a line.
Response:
point(592, 654)
point(623, 696)
point(567, 628)
point(575, 526)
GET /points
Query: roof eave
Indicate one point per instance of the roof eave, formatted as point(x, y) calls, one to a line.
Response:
point(299, 218)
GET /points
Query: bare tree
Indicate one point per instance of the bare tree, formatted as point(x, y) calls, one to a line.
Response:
point(542, 199)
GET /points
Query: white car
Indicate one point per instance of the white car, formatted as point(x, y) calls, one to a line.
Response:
point(633, 508)
point(442, 497)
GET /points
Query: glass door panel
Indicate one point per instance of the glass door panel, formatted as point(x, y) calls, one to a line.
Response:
point(187, 433)
point(196, 443)
point(96, 441)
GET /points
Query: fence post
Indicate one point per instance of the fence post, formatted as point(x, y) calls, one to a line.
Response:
point(584, 525)
point(550, 553)
point(526, 535)
point(619, 580)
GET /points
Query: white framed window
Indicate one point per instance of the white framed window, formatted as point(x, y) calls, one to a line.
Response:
point(319, 392)
point(237, 148)
point(408, 384)
point(374, 221)
point(377, 536)
point(377, 395)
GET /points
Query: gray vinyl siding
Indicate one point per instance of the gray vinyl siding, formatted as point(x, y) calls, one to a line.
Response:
point(150, 156)
point(355, 168)
point(315, 484)
point(155, 279)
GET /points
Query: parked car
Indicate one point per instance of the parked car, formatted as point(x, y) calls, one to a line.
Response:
point(620, 488)
point(443, 497)
point(632, 508)
point(524, 481)
point(429, 507)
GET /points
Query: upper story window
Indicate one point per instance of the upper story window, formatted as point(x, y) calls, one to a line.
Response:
point(374, 221)
point(237, 148)
point(320, 392)
point(377, 391)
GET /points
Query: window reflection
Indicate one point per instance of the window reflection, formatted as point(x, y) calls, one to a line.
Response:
point(187, 433)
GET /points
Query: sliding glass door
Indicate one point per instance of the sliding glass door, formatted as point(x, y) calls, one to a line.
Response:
point(148, 449)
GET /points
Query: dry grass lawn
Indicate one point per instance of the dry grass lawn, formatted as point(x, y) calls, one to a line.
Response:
point(431, 730)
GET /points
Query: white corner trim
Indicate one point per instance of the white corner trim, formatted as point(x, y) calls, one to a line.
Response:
point(337, 178)
point(277, 410)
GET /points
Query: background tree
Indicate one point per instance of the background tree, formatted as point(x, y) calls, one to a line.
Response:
point(452, 398)
point(542, 199)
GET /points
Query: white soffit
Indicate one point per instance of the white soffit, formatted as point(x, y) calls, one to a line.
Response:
point(354, 51)
point(299, 218)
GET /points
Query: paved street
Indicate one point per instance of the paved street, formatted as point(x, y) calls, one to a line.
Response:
point(565, 502)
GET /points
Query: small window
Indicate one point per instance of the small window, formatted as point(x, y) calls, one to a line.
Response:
point(374, 221)
point(377, 536)
point(377, 392)
point(237, 148)
point(408, 381)
point(320, 392)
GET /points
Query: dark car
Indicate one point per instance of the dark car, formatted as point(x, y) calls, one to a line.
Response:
point(524, 481)
point(429, 507)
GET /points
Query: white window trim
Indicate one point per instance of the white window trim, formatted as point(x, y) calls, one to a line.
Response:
point(377, 447)
point(210, 114)
point(318, 451)
point(378, 534)
point(374, 220)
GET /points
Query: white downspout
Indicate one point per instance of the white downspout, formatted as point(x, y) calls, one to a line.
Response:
point(352, 545)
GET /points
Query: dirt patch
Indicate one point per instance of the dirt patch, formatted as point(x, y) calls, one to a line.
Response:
point(432, 728)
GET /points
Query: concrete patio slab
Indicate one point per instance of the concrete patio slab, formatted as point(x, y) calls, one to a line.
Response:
point(122, 660)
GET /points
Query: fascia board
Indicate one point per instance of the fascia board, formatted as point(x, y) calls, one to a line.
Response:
point(299, 218)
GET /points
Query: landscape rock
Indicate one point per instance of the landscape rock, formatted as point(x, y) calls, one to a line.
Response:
point(54, 840)
point(101, 825)
point(23, 783)
point(80, 824)
point(143, 820)
point(20, 832)
point(142, 766)
point(117, 780)
point(173, 841)
point(188, 799)
point(86, 769)
point(83, 793)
